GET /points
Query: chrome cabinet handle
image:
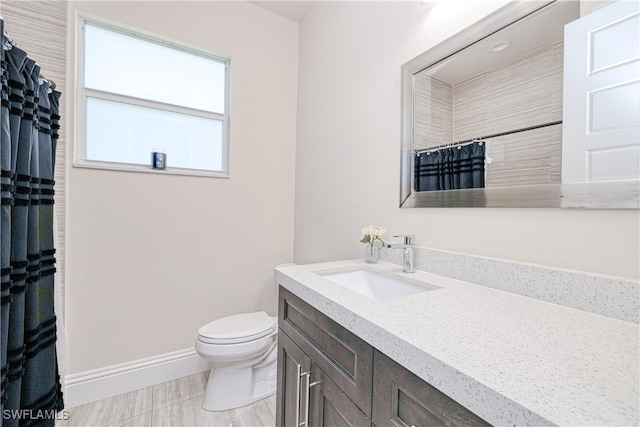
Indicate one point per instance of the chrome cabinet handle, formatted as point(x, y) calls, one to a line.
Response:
point(309, 384)
point(305, 423)
point(298, 376)
point(308, 397)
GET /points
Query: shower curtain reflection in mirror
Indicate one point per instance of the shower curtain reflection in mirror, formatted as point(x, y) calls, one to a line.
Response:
point(451, 168)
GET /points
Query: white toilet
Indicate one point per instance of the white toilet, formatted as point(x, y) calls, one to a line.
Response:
point(242, 349)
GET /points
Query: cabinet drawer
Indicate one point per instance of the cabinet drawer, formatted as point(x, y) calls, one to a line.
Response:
point(401, 398)
point(343, 357)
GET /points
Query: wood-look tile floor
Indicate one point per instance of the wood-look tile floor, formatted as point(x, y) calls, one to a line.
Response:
point(174, 403)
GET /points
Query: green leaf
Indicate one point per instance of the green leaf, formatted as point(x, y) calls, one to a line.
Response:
point(366, 239)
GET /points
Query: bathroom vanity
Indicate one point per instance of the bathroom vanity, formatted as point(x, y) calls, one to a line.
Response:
point(330, 377)
point(454, 353)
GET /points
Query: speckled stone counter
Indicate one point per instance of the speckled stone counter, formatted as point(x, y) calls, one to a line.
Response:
point(511, 359)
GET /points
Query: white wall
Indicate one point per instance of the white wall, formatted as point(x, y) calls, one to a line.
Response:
point(151, 258)
point(347, 155)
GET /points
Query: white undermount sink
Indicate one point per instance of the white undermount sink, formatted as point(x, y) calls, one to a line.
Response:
point(375, 285)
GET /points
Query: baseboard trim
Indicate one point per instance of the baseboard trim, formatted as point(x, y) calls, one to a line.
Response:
point(89, 386)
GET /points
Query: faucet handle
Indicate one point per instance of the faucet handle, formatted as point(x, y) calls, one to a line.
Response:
point(409, 239)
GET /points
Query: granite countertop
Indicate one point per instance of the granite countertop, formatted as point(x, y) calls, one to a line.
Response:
point(512, 360)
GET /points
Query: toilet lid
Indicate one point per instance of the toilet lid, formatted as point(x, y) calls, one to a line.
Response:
point(238, 328)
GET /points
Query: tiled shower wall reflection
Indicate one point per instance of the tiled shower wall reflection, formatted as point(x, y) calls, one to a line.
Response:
point(530, 93)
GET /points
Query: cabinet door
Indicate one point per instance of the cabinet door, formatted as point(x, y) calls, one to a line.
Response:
point(330, 407)
point(293, 369)
point(401, 398)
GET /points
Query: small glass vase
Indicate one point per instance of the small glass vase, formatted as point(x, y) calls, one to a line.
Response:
point(371, 253)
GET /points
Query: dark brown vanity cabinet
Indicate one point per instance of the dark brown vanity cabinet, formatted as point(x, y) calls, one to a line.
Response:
point(329, 377)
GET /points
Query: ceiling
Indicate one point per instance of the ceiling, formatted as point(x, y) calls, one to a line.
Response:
point(294, 9)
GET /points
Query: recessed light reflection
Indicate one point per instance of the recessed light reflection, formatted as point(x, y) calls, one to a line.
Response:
point(500, 46)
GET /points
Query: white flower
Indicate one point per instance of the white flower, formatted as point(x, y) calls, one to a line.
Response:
point(372, 233)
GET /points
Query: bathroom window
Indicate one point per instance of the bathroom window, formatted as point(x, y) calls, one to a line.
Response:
point(139, 95)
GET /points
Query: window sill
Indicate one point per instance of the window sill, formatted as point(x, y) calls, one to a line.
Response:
point(126, 167)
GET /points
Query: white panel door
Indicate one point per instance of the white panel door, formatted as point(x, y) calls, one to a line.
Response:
point(601, 96)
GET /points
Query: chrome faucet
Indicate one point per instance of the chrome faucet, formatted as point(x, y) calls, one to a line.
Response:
point(409, 255)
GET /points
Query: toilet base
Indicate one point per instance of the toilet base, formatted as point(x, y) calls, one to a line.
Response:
point(230, 387)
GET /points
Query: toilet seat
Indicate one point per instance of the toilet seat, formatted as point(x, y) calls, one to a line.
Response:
point(239, 328)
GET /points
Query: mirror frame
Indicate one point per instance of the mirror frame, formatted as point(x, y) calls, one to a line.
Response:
point(594, 195)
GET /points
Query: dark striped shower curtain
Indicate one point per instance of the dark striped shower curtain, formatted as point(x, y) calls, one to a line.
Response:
point(31, 389)
point(452, 168)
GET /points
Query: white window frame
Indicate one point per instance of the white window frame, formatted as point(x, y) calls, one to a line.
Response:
point(83, 93)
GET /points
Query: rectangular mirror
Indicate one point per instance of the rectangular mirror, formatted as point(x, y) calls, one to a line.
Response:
point(483, 125)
